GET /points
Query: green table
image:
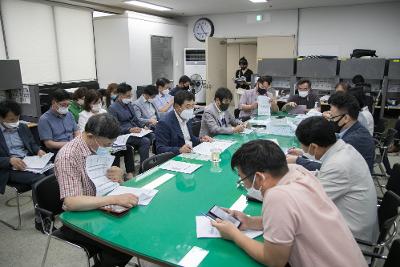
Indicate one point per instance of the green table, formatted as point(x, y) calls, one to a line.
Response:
point(165, 230)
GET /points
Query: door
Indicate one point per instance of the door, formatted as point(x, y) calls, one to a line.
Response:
point(161, 57)
point(216, 55)
point(276, 47)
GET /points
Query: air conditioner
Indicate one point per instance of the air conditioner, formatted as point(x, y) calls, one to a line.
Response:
point(195, 68)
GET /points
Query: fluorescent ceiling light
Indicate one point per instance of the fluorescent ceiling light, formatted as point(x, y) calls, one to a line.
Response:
point(148, 5)
point(258, 1)
point(98, 14)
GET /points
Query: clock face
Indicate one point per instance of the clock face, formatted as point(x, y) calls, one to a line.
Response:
point(202, 29)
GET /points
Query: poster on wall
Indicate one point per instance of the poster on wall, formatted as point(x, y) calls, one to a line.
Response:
point(21, 96)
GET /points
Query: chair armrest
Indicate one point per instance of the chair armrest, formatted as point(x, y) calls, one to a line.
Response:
point(363, 242)
point(373, 255)
point(44, 212)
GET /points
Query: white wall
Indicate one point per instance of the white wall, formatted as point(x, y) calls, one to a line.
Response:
point(239, 25)
point(325, 30)
point(339, 30)
point(123, 47)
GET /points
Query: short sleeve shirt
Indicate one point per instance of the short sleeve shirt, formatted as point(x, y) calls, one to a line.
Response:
point(57, 127)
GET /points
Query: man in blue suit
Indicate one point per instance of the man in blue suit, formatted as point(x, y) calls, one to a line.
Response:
point(343, 113)
point(174, 132)
point(16, 142)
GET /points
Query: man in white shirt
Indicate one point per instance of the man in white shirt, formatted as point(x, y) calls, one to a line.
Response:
point(344, 174)
point(174, 131)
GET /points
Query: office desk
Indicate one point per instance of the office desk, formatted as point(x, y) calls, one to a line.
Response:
point(165, 230)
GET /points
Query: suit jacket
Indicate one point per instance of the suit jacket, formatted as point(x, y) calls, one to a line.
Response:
point(359, 138)
point(142, 111)
point(211, 124)
point(126, 116)
point(169, 136)
point(30, 145)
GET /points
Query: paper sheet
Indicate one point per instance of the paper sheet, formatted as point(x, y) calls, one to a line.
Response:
point(142, 133)
point(195, 156)
point(159, 181)
point(264, 106)
point(240, 204)
point(96, 169)
point(144, 195)
point(121, 140)
point(193, 258)
point(36, 162)
point(49, 166)
point(179, 166)
point(247, 131)
point(206, 147)
point(204, 229)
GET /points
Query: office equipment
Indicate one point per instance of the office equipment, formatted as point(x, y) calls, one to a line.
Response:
point(10, 75)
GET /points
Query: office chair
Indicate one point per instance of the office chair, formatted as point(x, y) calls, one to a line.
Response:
point(388, 213)
point(156, 160)
point(47, 195)
point(196, 125)
point(393, 182)
point(19, 189)
point(392, 259)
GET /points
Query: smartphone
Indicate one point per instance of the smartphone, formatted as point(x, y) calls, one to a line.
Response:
point(216, 212)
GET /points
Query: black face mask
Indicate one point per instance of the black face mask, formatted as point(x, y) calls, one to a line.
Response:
point(243, 67)
point(336, 125)
point(262, 91)
point(185, 88)
point(223, 106)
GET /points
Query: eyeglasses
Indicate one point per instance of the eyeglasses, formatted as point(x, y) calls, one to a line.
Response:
point(242, 179)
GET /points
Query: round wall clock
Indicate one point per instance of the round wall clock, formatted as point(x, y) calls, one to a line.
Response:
point(202, 29)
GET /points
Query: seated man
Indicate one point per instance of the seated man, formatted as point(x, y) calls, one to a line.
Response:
point(306, 97)
point(77, 190)
point(16, 142)
point(57, 126)
point(344, 174)
point(163, 101)
point(344, 113)
point(184, 84)
point(76, 105)
point(123, 110)
point(248, 102)
point(174, 132)
point(144, 107)
point(217, 119)
point(301, 225)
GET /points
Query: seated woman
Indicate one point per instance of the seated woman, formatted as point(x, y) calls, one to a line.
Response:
point(93, 105)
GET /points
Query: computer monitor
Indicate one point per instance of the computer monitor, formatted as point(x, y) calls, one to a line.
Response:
point(10, 75)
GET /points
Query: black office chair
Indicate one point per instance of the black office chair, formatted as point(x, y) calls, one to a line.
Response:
point(393, 182)
point(47, 195)
point(156, 160)
point(196, 125)
point(381, 159)
point(388, 213)
point(392, 259)
point(19, 189)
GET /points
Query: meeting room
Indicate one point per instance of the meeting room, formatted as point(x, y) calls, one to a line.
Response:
point(213, 133)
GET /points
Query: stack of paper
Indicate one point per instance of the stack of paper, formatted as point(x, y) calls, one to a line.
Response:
point(179, 166)
point(38, 164)
point(142, 133)
point(206, 147)
point(96, 169)
point(264, 106)
point(204, 229)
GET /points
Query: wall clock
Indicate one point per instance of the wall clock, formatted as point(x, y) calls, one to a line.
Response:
point(202, 29)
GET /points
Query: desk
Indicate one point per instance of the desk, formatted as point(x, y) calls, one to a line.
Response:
point(165, 230)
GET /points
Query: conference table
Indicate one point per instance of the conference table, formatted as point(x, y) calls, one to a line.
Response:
point(165, 231)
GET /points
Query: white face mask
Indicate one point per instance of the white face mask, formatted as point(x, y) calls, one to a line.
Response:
point(62, 110)
point(126, 101)
point(303, 93)
point(255, 193)
point(165, 92)
point(309, 156)
point(11, 125)
point(187, 114)
point(96, 107)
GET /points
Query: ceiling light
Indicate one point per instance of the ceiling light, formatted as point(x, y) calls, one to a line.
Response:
point(148, 5)
point(98, 14)
point(258, 1)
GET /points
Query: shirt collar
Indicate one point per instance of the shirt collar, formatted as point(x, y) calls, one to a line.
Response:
point(180, 120)
point(56, 114)
point(216, 106)
point(4, 129)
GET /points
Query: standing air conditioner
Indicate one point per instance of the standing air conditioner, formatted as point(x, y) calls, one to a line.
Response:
point(195, 68)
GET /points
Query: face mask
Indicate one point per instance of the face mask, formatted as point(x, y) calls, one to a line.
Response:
point(262, 91)
point(309, 156)
point(96, 107)
point(62, 110)
point(303, 93)
point(185, 88)
point(224, 107)
point(187, 114)
point(255, 193)
point(11, 125)
point(336, 125)
point(165, 92)
point(80, 102)
point(126, 101)
point(101, 150)
point(113, 97)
